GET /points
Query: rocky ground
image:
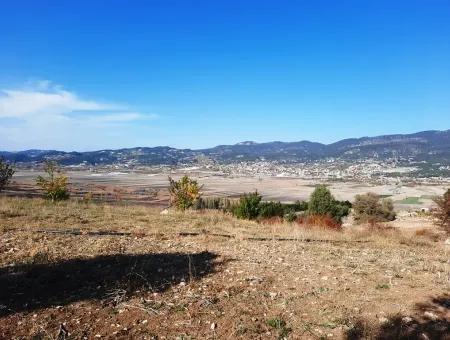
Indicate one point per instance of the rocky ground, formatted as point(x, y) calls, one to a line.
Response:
point(85, 271)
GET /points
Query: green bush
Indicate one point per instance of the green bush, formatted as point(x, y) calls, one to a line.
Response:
point(297, 206)
point(323, 203)
point(271, 209)
point(248, 206)
point(370, 208)
point(215, 203)
point(290, 216)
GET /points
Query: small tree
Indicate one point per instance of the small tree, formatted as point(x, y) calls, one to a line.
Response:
point(248, 206)
point(323, 203)
point(442, 212)
point(370, 208)
point(6, 173)
point(184, 192)
point(55, 184)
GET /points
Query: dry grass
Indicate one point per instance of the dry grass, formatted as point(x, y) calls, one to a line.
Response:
point(263, 281)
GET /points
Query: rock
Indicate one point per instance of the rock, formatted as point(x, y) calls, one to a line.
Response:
point(164, 212)
point(325, 278)
point(447, 242)
point(430, 315)
point(213, 325)
point(272, 295)
point(407, 319)
point(383, 320)
point(254, 280)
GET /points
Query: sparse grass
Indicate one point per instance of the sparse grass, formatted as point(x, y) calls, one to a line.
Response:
point(316, 281)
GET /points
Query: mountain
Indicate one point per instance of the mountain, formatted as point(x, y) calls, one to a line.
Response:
point(428, 146)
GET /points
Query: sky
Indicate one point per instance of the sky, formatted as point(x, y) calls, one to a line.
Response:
point(88, 75)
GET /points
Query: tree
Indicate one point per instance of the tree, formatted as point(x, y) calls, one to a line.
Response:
point(323, 203)
point(248, 206)
point(6, 173)
point(442, 212)
point(370, 208)
point(55, 185)
point(184, 192)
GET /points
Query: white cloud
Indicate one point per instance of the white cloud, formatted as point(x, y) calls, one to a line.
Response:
point(54, 101)
point(47, 116)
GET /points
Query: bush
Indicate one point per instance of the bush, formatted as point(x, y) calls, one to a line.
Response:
point(271, 209)
point(442, 212)
point(290, 216)
point(55, 185)
point(215, 203)
point(184, 192)
point(370, 208)
point(323, 203)
point(6, 173)
point(248, 206)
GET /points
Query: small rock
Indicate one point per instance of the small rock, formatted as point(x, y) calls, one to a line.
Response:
point(430, 315)
point(272, 295)
point(213, 325)
point(165, 212)
point(407, 319)
point(383, 320)
point(325, 278)
point(144, 321)
point(423, 336)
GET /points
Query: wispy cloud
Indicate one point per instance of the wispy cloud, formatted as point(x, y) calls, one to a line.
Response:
point(46, 115)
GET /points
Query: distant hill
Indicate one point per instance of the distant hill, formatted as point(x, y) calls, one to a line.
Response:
point(429, 146)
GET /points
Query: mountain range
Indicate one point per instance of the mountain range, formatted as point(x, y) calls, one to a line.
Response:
point(425, 146)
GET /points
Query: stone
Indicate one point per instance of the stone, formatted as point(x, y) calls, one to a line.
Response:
point(430, 315)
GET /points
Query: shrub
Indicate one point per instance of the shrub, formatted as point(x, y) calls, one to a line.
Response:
point(248, 206)
point(55, 185)
point(370, 208)
point(184, 192)
point(290, 216)
point(215, 203)
point(271, 209)
point(278, 209)
point(297, 206)
point(323, 203)
point(6, 173)
point(442, 212)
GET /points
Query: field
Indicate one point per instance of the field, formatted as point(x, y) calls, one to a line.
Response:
point(85, 270)
point(151, 188)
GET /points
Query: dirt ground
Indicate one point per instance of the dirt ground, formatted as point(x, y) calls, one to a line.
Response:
point(84, 271)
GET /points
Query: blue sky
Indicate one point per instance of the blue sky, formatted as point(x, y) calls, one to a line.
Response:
point(86, 75)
